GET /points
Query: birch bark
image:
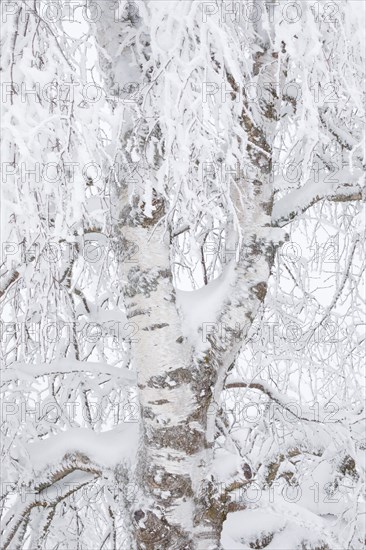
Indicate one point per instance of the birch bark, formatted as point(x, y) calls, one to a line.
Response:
point(179, 387)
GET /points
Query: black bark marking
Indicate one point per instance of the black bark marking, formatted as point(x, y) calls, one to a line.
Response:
point(156, 326)
point(260, 290)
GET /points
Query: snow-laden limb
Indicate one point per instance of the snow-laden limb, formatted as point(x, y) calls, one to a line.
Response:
point(27, 371)
point(306, 413)
point(107, 448)
point(274, 527)
point(298, 201)
point(53, 487)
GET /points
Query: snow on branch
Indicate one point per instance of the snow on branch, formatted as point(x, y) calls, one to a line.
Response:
point(278, 398)
point(66, 366)
point(298, 201)
point(106, 448)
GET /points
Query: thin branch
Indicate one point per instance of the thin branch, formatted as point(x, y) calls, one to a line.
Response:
point(277, 399)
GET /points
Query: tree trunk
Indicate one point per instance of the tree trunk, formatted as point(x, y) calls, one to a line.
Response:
point(172, 420)
point(180, 388)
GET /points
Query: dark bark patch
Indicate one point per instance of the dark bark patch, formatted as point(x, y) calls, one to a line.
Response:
point(248, 474)
point(256, 248)
point(181, 438)
point(305, 545)
point(348, 466)
point(262, 542)
point(260, 290)
point(156, 326)
point(139, 514)
point(257, 187)
point(267, 207)
point(270, 254)
point(158, 213)
point(157, 534)
point(147, 412)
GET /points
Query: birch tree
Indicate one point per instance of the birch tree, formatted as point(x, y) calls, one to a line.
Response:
point(183, 270)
